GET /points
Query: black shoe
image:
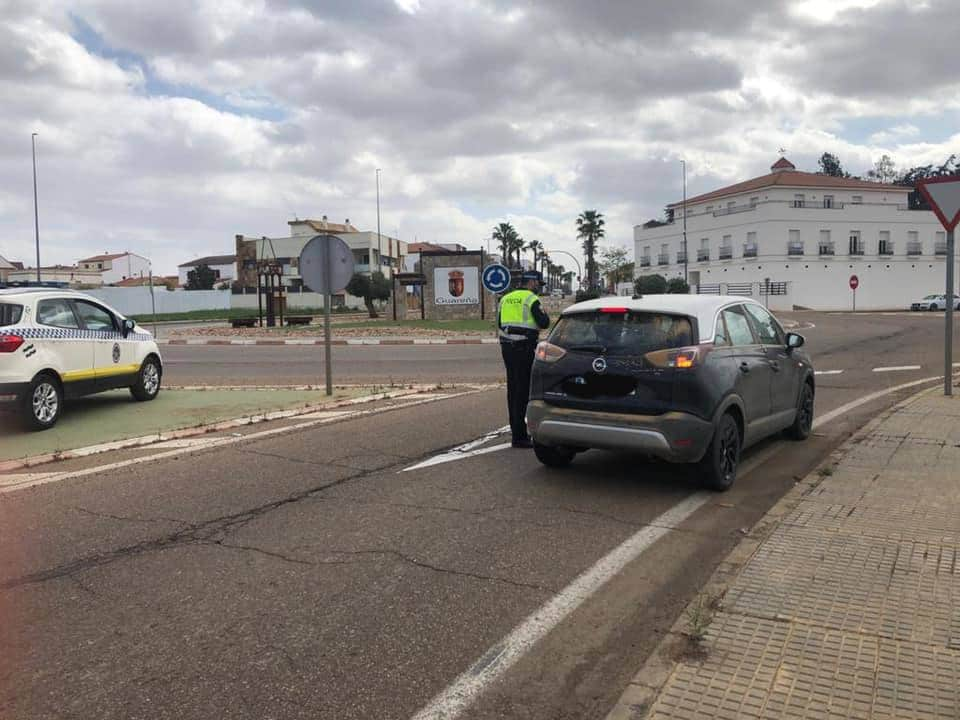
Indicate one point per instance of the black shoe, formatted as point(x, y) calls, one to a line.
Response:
point(525, 443)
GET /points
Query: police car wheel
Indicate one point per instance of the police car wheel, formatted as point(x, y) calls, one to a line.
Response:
point(42, 403)
point(553, 456)
point(148, 381)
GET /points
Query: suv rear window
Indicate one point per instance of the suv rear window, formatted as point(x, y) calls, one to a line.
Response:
point(631, 333)
point(10, 314)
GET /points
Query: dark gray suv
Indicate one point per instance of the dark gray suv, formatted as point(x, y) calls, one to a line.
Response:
point(686, 378)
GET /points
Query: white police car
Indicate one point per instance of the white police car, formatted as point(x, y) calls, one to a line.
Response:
point(61, 344)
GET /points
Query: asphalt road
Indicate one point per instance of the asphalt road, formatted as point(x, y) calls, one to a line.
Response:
point(306, 576)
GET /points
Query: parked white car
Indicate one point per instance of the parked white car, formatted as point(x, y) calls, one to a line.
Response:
point(61, 344)
point(935, 302)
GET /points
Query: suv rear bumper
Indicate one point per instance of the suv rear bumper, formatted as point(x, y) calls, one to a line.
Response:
point(674, 436)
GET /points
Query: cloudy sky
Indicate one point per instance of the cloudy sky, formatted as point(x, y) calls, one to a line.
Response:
point(165, 128)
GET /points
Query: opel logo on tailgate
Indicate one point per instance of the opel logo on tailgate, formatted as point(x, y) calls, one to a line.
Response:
point(599, 365)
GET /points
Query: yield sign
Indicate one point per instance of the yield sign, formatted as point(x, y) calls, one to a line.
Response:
point(943, 194)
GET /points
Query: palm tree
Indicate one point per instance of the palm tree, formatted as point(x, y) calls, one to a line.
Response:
point(590, 230)
point(507, 238)
point(535, 246)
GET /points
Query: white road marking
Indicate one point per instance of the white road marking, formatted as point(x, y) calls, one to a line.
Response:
point(897, 368)
point(466, 450)
point(827, 372)
point(20, 478)
point(450, 703)
point(837, 412)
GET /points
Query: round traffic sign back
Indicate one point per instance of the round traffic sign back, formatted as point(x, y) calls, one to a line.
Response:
point(495, 278)
point(319, 253)
point(854, 282)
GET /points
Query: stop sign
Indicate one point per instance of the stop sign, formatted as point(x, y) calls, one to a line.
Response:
point(854, 282)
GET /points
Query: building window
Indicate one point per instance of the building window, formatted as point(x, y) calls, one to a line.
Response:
point(826, 243)
point(726, 248)
point(794, 244)
point(754, 201)
point(856, 244)
point(750, 247)
point(664, 257)
point(940, 243)
point(857, 199)
point(703, 254)
point(885, 246)
point(709, 208)
point(914, 246)
point(799, 200)
point(828, 201)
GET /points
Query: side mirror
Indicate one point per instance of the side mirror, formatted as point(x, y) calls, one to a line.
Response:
point(128, 326)
point(794, 340)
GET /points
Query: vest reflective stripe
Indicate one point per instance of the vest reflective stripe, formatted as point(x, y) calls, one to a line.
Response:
point(516, 310)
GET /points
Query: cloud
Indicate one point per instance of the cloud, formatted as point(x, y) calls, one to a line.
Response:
point(169, 128)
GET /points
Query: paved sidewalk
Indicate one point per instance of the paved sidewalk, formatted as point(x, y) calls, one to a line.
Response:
point(844, 602)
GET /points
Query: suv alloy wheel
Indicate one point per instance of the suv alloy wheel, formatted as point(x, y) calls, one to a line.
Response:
point(719, 464)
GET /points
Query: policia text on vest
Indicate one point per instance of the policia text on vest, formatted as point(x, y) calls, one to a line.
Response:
point(520, 320)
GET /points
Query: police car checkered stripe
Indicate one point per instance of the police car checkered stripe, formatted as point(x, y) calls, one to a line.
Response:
point(52, 333)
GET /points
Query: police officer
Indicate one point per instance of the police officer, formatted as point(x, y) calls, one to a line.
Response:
point(520, 320)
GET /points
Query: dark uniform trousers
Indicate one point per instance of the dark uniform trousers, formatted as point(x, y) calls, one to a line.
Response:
point(518, 359)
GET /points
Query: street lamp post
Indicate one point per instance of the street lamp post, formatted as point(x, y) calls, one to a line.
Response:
point(36, 211)
point(686, 259)
point(379, 243)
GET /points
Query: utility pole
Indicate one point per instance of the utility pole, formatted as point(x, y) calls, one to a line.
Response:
point(36, 211)
point(686, 256)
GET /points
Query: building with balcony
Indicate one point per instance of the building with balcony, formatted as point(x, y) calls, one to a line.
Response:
point(805, 234)
point(370, 251)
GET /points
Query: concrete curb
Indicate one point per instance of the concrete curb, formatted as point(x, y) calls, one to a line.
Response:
point(642, 691)
point(178, 434)
point(319, 341)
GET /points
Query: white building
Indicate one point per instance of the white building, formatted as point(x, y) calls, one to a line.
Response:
point(370, 253)
point(5, 268)
point(795, 238)
point(116, 267)
point(224, 269)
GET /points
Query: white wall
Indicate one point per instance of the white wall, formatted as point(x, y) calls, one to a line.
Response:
point(136, 300)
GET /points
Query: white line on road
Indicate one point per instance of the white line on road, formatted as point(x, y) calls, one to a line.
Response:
point(450, 703)
point(827, 372)
point(466, 450)
point(897, 368)
point(837, 412)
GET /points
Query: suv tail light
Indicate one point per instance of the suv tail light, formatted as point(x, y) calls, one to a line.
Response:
point(678, 358)
point(549, 353)
point(10, 343)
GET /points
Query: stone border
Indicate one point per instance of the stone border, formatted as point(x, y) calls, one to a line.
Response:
point(642, 691)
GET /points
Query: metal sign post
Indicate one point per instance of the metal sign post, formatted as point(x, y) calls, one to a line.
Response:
point(326, 265)
point(943, 194)
point(854, 284)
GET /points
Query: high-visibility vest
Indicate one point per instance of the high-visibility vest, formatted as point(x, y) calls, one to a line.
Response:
point(516, 311)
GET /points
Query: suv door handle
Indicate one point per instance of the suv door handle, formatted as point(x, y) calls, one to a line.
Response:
point(775, 365)
point(744, 367)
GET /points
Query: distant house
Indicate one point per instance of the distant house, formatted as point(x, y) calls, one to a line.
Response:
point(114, 267)
point(224, 268)
point(166, 283)
point(5, 267)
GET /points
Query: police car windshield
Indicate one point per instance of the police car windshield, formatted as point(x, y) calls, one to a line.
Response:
point(633, 333)
point(10, 314)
